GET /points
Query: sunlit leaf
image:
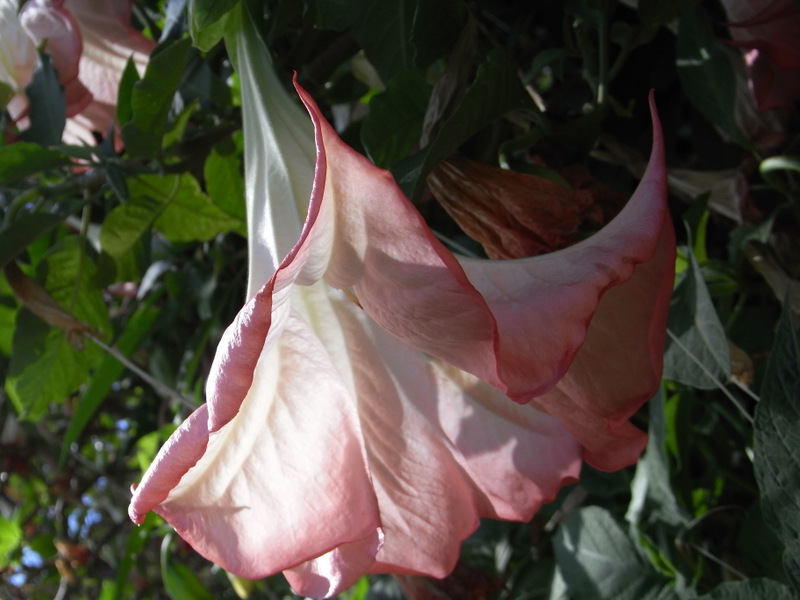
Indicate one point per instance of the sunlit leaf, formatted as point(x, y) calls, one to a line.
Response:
point(10, 538)
point(171, 204)
point(225, 185)
point(45, 366)
point(776, 443)
point(184, 212)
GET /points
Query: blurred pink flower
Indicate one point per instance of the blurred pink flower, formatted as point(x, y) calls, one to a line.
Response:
point(358, 415)
point(767, 32)
point(109, 41)
point(50, 24)
point(89, 41)
point(17, 53)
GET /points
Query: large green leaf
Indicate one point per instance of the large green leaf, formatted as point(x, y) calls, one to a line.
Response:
point(24, 158)
point(185, 213)
point(151, 99)
point(597, 559)
point(776, 444)
point(705, 71)
point(384, 31)
point(496, 91)
point(751, 589)
point(432, 36)
point(697, 351)
point(394, 124)
point(172, 204)
point(45, 367)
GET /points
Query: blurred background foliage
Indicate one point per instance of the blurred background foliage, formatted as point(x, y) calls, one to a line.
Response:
point(144, 244)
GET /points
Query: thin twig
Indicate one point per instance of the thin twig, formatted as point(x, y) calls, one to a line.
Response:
point(159, 387)
point(711, 376)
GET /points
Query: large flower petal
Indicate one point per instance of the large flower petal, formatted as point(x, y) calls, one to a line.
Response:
point(442, 450)
point(264, 490)
point(519, 324)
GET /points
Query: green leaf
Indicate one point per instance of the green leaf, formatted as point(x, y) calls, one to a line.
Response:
point(496, 91)
point(207, 33)
point(174, 133)
point(25, 158)
point(10, 539)
point(706, 73)
point(206, 21)
point(185, 213)
point(129, 79)
point(336, 15)
point(772, 168)
point(48, 110)
point(225, 185)
point(655, 13)
point(124, 227)
point(6, 94)
point(151, 99)
point(25, 230)
point(182, 584)
point(433, 36)
point(172, 204)
point(179, 582)
point(393, 126)
point(750, 590)
point(696, 352)
point(8, 316)
point(597, 559)
point(45, 368)
point(384, 30)
point(776, 442)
